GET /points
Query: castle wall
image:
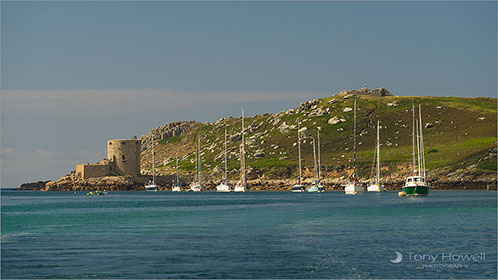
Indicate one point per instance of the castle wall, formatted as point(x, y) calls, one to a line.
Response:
point(125, 153)
point(93, 170)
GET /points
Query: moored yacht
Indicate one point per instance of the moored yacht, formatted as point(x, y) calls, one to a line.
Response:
point(353, 186)
point(375, 185)
point(416, 185)
point(316, 186)
point(242, 186)
point(151, 186)
point(177, 187)
point(223, 186)
point(196, 185)
point(299, 187)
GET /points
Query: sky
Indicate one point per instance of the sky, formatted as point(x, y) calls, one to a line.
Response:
point(75, 74)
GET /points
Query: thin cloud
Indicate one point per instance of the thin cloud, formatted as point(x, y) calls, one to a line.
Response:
point(7, 150)
point(112, 101)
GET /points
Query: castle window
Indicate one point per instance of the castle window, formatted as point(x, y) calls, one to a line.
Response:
point(110, 143)
point(122, 157)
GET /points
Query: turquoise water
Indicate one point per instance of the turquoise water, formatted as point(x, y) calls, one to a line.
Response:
point(247, 235)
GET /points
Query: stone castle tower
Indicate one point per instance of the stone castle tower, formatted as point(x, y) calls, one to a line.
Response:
point(123, 158)
point(125, 154)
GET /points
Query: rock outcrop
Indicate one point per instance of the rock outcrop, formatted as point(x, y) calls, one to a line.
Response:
point(71, 182)
point(378, 92)
point(34, 186)
point(166, 131)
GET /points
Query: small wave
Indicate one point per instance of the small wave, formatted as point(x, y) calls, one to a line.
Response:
point(10, 236)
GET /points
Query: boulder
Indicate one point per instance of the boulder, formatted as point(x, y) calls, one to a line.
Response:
point(307, 105)
point(251, 140)
point(259, 154)
point(284, 128)
point(334, 120)
point(235, 137)
point(347, 109)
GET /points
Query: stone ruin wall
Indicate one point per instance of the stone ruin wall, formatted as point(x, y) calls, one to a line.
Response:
point(123, 158)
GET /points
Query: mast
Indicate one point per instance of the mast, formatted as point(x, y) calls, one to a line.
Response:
point(315, 171)
point(196, 162)
point(153, 162)
point(378, 154)
point(374, 165)
point(243, 154)
point(225, 178)
point(421, 139)
point(299, 151)
point(418, 148)
point(200, 161)
point(354, 141)
point(319, 158)
point(177, 175)
point(413, 139)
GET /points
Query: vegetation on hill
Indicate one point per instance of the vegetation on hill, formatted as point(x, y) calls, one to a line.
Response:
point(459, 134)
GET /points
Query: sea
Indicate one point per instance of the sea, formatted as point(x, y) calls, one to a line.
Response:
point(253, 235)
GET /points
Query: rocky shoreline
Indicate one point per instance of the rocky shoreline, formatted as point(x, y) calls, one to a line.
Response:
point(127, 183)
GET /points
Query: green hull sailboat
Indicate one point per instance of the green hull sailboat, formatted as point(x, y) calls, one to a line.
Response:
point(416, 185)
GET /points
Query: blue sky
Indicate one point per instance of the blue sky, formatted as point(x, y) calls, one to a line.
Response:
point(77, 73)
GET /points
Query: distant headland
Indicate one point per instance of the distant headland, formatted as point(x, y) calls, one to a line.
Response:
point(460, 146)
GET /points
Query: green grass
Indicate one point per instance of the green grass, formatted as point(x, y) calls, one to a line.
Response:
point(174, 139)
point(488, 165)
point(476, 142)
point(457, 140)
point(271, 162)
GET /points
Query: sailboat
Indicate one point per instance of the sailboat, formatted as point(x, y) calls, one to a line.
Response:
point(321, 188)
point(299, 187)
point(177, 187)
point(224, 187)
point(151, 186)
point(353, 186)
point(314, 187)
point(416, 185)
point(375, 185)
point(196, 185)
point(242, 184)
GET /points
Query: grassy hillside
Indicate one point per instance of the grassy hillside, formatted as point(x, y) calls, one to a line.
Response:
point(463, 132)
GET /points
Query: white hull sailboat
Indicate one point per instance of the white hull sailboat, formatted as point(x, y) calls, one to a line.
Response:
point(177, 187)
point(241, 186)
point(224, 187)
point(376, 188)
point(375, 185)
point(151, 186)
point(316, 186)
point(196, 185)
point(299, 187)
point(353, 186)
